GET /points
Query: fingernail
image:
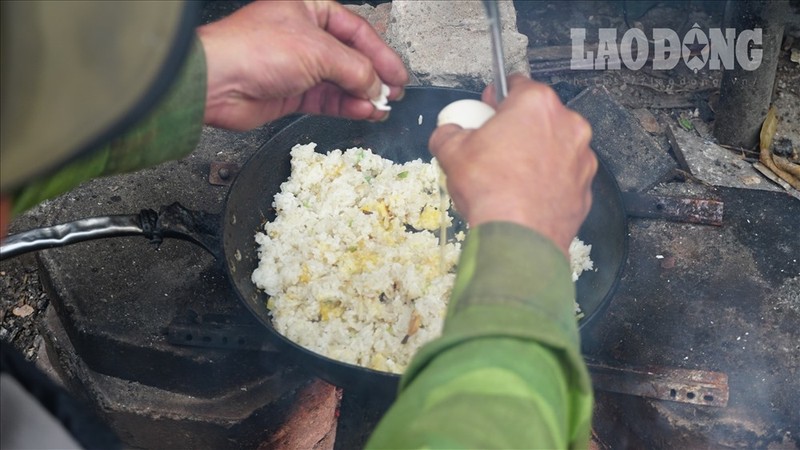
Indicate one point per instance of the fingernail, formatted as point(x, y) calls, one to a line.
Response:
point(375, 90)
point(382, 119)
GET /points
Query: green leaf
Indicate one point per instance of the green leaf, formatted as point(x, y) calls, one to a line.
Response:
point(685, 123)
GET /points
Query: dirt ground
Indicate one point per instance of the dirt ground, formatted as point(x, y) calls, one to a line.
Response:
point(23, 301)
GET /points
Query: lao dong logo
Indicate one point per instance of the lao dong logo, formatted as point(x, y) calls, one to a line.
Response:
point(719, 48)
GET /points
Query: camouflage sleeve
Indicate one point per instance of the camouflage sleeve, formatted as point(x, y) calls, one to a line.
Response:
point(171, 131)
point(507, 370)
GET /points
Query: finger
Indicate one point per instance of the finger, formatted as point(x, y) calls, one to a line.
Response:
point(488, 95)
point(396, 92)
point(444, 140)
point(582, 129)
point(359, 109)
point(356, 32)
point(346, 67)
point(591, 166)
point(330, 100)
point(517, 80)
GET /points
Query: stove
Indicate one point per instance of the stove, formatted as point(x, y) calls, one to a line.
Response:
point(155, 337)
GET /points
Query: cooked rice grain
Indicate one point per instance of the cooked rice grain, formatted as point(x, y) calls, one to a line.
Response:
point(351, 257)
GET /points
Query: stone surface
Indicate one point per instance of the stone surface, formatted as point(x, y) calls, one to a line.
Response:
point(447, 43)
point(637, 160)
point(377, 16)
point(718, 166)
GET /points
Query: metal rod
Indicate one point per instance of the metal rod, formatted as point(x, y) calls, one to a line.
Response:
point(172, 221)
point(698, 387)
point(70, 233)
point(498, 58)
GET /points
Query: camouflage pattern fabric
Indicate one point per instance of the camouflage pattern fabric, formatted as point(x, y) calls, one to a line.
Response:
point(507, 370)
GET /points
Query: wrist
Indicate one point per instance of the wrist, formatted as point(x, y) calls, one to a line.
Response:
point(509, 263)
point(557, 231)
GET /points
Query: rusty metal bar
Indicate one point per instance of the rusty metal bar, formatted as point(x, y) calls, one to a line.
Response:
point(697, 387)
point(678, 209)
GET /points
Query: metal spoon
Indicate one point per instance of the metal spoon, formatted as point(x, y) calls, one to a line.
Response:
point(501, 86)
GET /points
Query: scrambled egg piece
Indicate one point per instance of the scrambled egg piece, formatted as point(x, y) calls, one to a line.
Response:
point(430, 218)
point(329, 309)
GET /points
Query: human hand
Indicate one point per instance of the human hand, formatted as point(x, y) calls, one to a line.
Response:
point(529, 164)
point(273, 58)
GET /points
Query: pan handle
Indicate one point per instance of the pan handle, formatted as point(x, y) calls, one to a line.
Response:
point(173, 221)
point(677, 209)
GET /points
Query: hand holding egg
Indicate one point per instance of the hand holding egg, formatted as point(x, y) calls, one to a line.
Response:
point(528, 163)
point(468, 114)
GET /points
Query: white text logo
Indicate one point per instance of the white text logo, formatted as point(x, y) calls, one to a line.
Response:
point(719, 48)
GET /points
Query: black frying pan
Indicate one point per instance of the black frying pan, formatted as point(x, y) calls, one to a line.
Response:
point(401, 138)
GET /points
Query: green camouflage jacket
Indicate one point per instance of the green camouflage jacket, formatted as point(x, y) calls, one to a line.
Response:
point(507, 370)
point(169, 132)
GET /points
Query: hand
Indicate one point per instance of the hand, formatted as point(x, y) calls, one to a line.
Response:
point(274, 58)
point(529, 164)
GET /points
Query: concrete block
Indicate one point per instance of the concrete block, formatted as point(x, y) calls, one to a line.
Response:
point(634, 157)
point(447, 43)
point(377, 16)
point(718, 166)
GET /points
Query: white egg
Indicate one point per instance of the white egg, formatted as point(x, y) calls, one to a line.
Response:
point(470, 114)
